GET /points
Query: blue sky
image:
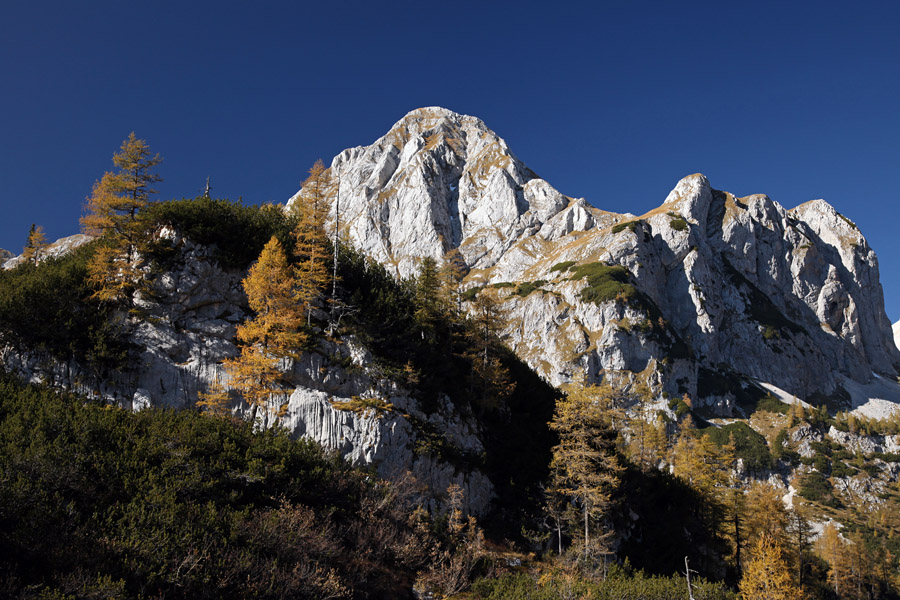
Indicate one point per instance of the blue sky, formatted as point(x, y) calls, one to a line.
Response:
point(612, 101)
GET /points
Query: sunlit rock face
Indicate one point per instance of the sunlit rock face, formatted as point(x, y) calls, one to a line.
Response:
point(728, 289)
point(896, 329)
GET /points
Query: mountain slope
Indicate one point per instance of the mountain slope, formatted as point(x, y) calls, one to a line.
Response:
point(727, 290)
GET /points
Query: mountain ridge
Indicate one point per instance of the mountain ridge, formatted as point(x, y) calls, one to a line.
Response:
point(439, 181)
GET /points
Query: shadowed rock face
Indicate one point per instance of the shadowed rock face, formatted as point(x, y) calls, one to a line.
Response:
point(726, 285)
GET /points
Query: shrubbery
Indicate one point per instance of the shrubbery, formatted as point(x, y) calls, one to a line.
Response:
point(96, 499)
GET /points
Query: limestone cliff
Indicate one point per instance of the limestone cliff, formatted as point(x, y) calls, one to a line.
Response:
point(726, 289)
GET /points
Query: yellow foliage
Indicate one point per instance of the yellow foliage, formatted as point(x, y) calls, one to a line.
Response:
point(272, 293)
point(36, 244)
point(766, 576)
point(215, 400)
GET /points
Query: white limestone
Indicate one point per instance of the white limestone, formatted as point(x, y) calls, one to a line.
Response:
point(789, 297)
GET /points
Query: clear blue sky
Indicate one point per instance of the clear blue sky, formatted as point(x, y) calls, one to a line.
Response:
point(612, 101)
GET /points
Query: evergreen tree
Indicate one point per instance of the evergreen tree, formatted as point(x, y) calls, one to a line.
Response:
point(35, 245)
point(585, 467)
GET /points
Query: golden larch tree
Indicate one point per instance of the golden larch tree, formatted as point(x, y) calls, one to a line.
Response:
point(585, 467)
point(276, 330)
point(311, 212)
point(111, 211)
point(766, 576)
point(35, 245)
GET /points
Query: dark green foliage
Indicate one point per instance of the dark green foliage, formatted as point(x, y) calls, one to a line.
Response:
point(679, 406)
point(677, 222)
point(237, 232)
point(516, 436)
point(178, 504)
point(619, 585)
point(503, 284)
point(470, 294)
point(48, 308)
point(815, 486)
point(630, 225)
point(772, 404)
point(605, 283)
point(748, 444)
point(562, 266)
point(527, 287)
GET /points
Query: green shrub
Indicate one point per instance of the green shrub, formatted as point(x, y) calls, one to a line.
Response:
point(562, 266)
point(605, 283)
point(99, 496)
point(527, 287)
point(620, 227)
point(815, 486)
point(677, 222)
point(748, 444)
point(238, 232)
point(48, 308)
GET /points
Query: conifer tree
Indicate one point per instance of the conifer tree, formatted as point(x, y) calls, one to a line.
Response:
point(214, 400)
point(766, 576)
point(428, 300)
point(35, 245)
point(112, 210)
point(311, 212)
point(585, 466)
point(486, 323)
point(274, 332)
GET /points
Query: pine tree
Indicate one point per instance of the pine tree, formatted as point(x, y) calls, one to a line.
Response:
point(766, 576)
point(35, 245)
point(585, 466)
point(311, 212)
point(429, 307)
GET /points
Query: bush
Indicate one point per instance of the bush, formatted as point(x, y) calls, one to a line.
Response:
point(748, 444)
point(562, 266)
point(605, 283)
point(48, 308)
point(160, 503)
point(238, 232)
point(815, 486)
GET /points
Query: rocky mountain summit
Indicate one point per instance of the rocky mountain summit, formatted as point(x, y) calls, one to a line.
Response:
point(707, 295)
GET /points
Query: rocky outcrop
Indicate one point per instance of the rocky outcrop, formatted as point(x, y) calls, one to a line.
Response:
point(58, 248)
point(335, 395)
point(896, 331)
point(725, 288)
point(5, 255)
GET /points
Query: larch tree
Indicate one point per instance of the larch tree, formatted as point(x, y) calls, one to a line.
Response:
point(111, 211)
point(215, 400)
point(585, 467)
point(276, 330)
point(767, 576)
point(35, 245)
point(311, 212)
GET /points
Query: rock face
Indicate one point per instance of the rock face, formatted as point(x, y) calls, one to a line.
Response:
point(337, 397)
point(896, 329)
point(725, 287)
point(58, 248)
